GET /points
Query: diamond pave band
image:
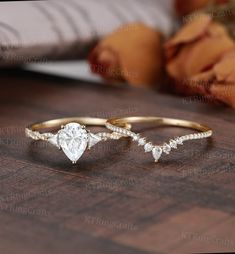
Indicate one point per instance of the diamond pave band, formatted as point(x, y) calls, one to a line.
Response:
point(166, 148)
point(73, 137)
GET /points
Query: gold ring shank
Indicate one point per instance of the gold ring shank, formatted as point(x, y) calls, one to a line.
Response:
point(57, 123)
point(160, 121)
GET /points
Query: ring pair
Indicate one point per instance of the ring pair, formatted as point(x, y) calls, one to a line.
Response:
point(73, 137)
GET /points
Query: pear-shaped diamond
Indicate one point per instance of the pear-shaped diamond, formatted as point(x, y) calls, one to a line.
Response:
point(73, 139)
point(157, 152)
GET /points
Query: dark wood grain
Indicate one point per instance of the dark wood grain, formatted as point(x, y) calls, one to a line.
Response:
point(116, 200)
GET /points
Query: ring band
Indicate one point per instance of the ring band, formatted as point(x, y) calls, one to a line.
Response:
point(157, 150)
point(73, 137)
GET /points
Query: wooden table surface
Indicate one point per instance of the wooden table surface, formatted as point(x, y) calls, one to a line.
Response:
point(115, 200)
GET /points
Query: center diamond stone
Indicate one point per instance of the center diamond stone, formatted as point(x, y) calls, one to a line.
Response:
point(73, 139)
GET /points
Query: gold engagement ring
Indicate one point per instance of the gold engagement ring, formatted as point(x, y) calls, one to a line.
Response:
point(73, 137)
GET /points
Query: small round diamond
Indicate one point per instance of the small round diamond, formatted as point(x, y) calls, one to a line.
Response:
point(166, 148)
point(173, 144)
point(148, 147)
point(195, 136)
point(183, 138)
point(128, 133)
point(191, 136)
point(135, 137)
point(123, 131)
point(187, 137)
point(142, 142)
point(179, 141)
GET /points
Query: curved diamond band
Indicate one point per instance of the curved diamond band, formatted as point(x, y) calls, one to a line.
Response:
point(158, 150)
point(73, 137)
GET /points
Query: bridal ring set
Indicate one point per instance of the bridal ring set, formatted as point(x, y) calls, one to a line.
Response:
point(73, 138)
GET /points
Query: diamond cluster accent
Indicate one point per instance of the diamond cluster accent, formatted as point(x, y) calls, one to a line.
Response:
point(158, 150)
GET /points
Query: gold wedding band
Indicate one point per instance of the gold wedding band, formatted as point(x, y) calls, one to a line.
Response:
point(157, 150)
